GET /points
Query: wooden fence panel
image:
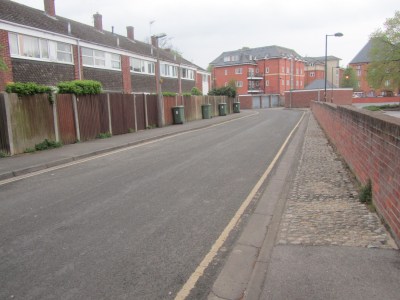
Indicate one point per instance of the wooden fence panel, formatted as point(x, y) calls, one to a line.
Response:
point(152, 110)
point(32, 120)
point(4, 140)
point(66, 120)
point(129, 112)
point(169, 102)
point(92, 115)
point(140, 112)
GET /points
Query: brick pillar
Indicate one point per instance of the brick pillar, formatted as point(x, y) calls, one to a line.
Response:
point(126, 74)
point(5, 75)
point(77, 58)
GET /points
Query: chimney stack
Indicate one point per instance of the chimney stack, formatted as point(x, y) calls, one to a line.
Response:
point(130, 32)
point(50, 8)
point(98, 21)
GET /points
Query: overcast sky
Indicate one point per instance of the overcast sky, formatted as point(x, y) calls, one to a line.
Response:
point(202, 30)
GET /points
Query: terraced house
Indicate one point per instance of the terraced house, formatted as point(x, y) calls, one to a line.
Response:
point(43, 47)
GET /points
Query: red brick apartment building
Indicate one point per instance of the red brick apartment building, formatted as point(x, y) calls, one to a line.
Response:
point(315, 69)
point(360, 65)
point(42, 47)
point(264, 70)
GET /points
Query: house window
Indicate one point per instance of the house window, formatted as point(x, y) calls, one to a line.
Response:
point(115, 61)
point(251, 72)
point(187, 74)
point(238, 71)
point(41, 49)
point(283, 69)
point(267, 70)
point(297, 83)
point(169, 70)
point(287, 70)
point(266, 82)
point(283, 81)
point(142, 66)
point(100, 59)
point(358, 73)
point(387, 83)
point(226, 72)
point(64, 52)
point(287, 82)
point(312, 74)
point(239, 84)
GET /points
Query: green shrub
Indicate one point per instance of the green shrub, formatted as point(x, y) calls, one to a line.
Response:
point(186, 94)
point(3, 154)
point(224, 91)
point(169, 94)
point(196, 92)
point(27, 88)
point(365, 195)
point(104, 135)
point(79, 87)
point(46, 144)
point(29, 150)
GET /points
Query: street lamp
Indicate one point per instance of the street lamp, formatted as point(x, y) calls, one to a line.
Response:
point(160, 102)
point(337, 34)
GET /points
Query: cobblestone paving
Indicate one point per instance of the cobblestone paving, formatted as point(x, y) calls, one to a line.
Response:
point(323, 206)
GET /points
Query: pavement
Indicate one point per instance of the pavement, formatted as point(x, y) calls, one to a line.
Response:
point(308, 237)
point(393, 113)
point(23, 164)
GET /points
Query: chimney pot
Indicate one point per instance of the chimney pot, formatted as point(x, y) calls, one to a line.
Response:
point(154, 41)
point(98, 21)
point(50, 8)
point(130, 32)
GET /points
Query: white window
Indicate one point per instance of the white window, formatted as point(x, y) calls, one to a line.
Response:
point(283, 81)
point(287, 82)
point(239, 84)
point(137, 65)
point(267, 70)
point(25, 46)
point(358, 73)
point(312, 74)
point(227, 58)
point(251, 72)
point(226, 72)
point(64, 52)
point(297, 71)
point(283, 69)
point(287, 70)
point(238, 71)
point(169, 70)
point(387, 83)
point(297, 83)
point(266, 82)
point(100, 59)
point(187, 74)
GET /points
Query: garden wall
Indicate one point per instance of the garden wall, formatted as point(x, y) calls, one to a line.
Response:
point(303, 98)
point(370, 144)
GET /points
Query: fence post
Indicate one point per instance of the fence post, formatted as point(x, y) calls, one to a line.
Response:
point(8, 121)
point(75, 106)
point(146, 117)
point(109, 113)
point(134, 111)
point(55, 117)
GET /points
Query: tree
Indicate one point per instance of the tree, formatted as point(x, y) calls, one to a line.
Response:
point(384, 69)
point(3, 66)
point(349, 79)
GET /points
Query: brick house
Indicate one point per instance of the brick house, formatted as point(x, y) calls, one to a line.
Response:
point(40, 46)
point(262, 71)
point(315, 70)
point(360, 65)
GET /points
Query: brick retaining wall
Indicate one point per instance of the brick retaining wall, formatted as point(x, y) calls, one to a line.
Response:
point(370, 144)
point(303, 98)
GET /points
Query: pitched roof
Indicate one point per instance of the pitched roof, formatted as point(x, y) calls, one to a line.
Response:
point(319, 59)
point(24, 15)
point(248, 56)
point(363, 55)
point(319, 84)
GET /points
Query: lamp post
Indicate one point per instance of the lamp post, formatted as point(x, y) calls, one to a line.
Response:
point(160, 102)
point(337, 34)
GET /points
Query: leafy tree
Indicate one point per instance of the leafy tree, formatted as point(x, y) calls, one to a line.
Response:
point(384, 69)
point(349, 79)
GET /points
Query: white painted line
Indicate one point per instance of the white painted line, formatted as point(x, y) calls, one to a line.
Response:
point(17, 178)
point(191, 282)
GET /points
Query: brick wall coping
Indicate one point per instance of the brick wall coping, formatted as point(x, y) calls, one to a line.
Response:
point(328, 89)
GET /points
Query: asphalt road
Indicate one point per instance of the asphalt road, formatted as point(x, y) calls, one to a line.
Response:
point(136, 224)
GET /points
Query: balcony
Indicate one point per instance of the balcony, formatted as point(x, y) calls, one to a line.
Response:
point(254, 76)
point(254, 90)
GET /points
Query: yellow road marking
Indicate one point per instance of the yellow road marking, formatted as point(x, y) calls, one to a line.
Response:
point(191, 282)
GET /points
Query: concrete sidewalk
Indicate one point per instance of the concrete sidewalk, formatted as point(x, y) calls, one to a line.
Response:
point(27, 163)
point(309, 237)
